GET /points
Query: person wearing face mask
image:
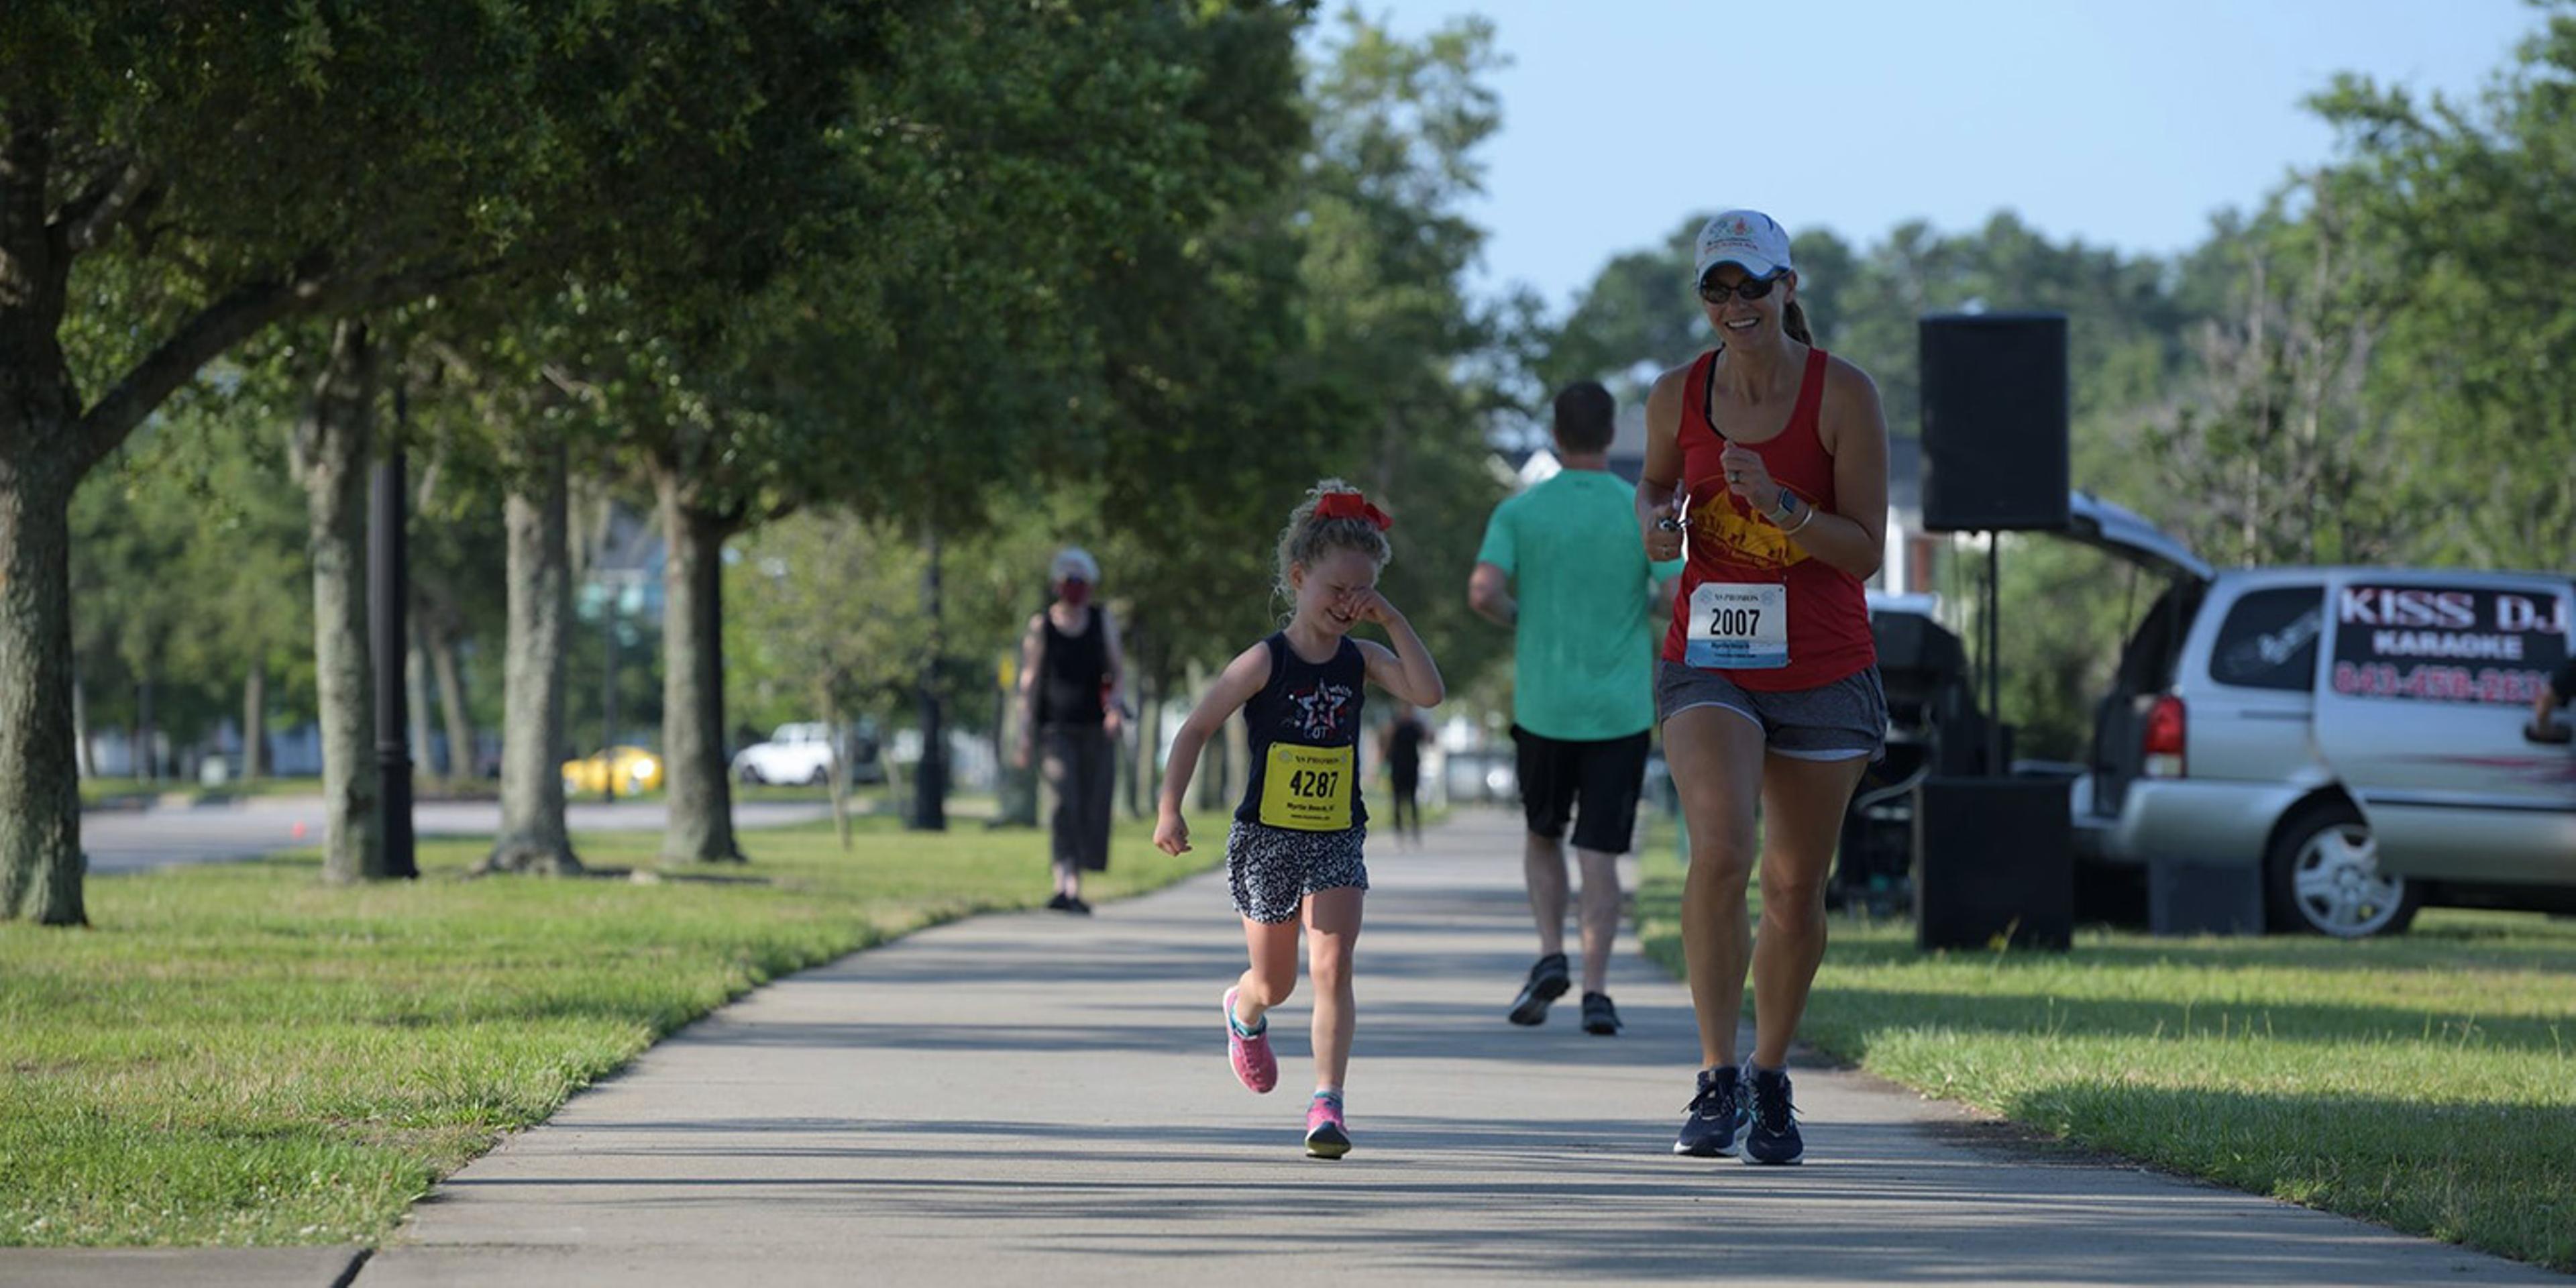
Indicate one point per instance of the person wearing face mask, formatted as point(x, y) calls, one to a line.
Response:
point(1072, 706)
point(1770, 457)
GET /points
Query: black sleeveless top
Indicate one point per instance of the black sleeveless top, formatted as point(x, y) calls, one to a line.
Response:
point(1071, 669)
point(1304, 728)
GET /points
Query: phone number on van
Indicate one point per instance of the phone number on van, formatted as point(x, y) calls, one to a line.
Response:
point(2437, 683)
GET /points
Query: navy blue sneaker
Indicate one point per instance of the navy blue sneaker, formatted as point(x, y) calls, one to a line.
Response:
point(1716, 1115)
point(1774, 1137)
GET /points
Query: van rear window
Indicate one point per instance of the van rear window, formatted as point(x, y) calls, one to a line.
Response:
point(2269, 640)
point(2439, 644)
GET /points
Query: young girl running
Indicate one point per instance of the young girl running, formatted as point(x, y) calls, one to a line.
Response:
point(1295, 843)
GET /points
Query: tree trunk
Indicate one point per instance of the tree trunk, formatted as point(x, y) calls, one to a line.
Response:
point(40, 856)
point(416, 685)
point(331, 454)
point(840, 773)
point(1215, 764)
point(84, 763)
point(1237, 771)
point(894, 774)
point(1149, 743)
point(255, 724)
point(532, 837)
point(461, 758)
point(42, 458)
point(699, 797)
point(609, 626)
point(1136, 754)
point(1006, 781)
point(47, 443)
point(1210, 771)
point(147, 735)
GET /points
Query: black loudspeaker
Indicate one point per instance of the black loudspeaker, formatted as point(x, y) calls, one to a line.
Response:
point(1995, 402)
point(1991, 859)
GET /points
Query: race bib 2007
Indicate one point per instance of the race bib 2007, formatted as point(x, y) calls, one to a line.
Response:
point(1307, 789)
point(1739, 626)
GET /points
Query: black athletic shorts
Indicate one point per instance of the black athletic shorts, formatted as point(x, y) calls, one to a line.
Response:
point(1595, 783)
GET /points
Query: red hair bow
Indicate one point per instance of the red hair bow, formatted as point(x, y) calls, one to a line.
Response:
point(1351, 505)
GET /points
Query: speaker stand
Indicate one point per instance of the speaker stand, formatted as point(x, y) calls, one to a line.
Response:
point(1994, 633)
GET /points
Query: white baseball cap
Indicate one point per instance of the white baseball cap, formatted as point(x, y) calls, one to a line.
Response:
point(1748, 239)
point(1074, 562)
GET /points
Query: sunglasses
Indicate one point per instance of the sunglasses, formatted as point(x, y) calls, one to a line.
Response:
point(1751, 288)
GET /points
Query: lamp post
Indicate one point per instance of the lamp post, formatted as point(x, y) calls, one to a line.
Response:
point(388, 577)
point(930, 785)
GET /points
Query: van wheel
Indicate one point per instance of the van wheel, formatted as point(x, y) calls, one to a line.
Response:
point(2323, 876)
point(822, 776)
point(750, 776)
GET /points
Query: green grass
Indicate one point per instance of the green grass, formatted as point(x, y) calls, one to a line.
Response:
point(94, 791)
point(239, 1054)
point(2426, 1081)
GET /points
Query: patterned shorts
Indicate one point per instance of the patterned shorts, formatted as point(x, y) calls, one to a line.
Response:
point(1271, 870)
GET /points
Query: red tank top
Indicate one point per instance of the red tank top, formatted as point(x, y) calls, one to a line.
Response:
point(1828, 628)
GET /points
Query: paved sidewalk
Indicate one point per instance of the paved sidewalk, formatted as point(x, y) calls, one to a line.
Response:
point(1038, 1098)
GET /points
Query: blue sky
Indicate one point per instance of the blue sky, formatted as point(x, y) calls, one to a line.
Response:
point(2124, 124)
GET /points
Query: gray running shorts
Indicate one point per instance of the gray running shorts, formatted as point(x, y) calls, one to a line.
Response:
point(1836, 721)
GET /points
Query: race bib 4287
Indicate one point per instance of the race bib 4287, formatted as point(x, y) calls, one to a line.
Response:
point(1307, 789)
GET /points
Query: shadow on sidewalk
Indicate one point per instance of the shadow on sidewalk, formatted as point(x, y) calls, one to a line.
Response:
point(1573, 1198)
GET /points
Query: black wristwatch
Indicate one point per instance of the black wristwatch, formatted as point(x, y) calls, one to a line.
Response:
point(1786, 508)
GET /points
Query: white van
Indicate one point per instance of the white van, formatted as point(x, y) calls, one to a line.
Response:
point(2358, 732)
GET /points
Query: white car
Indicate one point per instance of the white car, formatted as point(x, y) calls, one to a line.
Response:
point(802, 753)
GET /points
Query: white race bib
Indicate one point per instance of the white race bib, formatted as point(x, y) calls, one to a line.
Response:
point(1739, 626)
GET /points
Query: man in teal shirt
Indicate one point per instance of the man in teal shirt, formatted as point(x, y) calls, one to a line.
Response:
point(1564, 566)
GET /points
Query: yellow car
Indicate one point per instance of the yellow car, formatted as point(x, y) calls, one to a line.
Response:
point(637, 770)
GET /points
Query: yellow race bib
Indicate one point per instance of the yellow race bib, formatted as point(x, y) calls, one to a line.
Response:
point(1307, 789)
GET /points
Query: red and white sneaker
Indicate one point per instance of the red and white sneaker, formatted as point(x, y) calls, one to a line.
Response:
point(1254, 1065)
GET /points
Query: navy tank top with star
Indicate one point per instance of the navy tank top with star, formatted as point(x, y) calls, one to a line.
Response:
point(1304, 728)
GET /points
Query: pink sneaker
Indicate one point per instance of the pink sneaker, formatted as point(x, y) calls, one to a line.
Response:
point(1325, 1135)
point(1253, 1063)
